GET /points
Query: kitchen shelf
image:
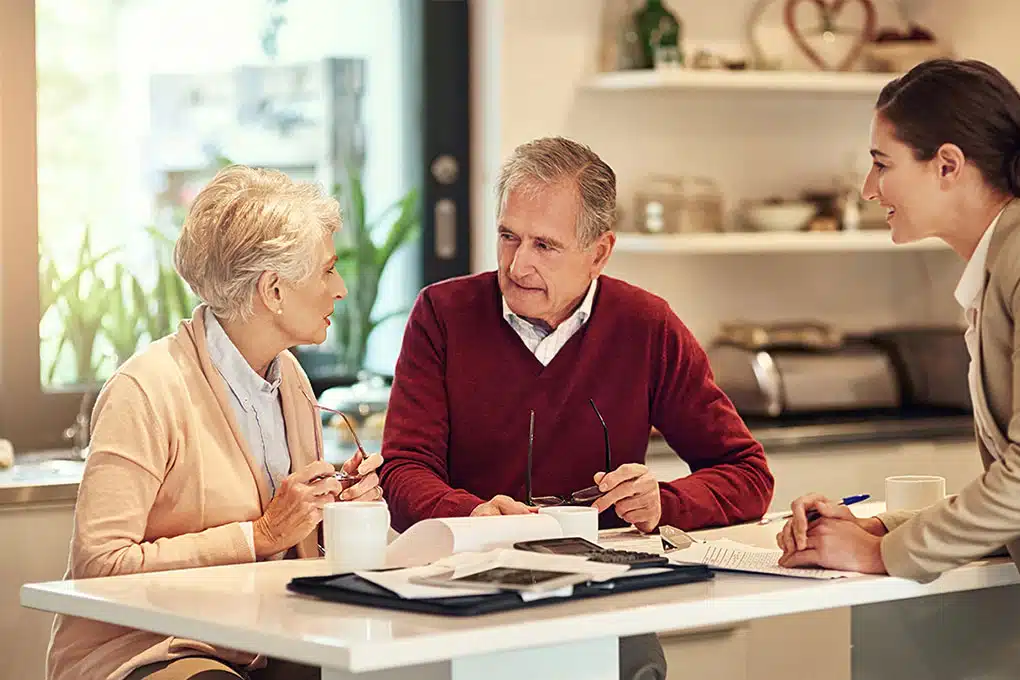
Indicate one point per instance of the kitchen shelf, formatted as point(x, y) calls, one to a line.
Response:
point(771, 242)
point(757, 81)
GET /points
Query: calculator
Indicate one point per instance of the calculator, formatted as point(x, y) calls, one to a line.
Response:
point(575, 545)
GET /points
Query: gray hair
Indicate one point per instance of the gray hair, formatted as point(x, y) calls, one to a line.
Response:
point(550, 160)
point(247, 221)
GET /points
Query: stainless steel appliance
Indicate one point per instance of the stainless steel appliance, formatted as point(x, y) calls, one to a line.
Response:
point(931, 363)
point(767, 372)
point(785, 381)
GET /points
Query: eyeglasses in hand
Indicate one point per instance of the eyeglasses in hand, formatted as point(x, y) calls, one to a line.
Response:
point(343, 475)
point(585, 496)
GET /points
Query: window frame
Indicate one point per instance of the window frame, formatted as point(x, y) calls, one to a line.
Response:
point(35, 419)
point(31, 418)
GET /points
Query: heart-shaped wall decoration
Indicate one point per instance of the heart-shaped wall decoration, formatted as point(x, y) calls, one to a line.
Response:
point(828, 11)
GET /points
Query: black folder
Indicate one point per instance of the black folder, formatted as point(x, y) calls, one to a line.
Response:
point(352, 589)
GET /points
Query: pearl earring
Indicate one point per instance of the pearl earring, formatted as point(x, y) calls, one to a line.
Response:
point(280, 310)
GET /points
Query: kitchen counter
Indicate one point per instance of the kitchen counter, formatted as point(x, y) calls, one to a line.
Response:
point(811, 432)
point(47, 476)
point(41, 477)
point(817, 430)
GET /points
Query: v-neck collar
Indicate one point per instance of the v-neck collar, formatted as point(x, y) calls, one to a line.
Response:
point(568, 346)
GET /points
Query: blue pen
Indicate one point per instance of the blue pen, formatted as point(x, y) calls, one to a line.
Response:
point(849, 500)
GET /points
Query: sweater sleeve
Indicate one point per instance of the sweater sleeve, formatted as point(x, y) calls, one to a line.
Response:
point(128, 456)
point(414, 476)
point(730, 480)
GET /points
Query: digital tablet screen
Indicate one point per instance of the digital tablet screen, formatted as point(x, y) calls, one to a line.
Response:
point(511, 576)
point(569, 545)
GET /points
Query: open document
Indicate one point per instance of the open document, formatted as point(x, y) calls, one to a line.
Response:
point(402, 581)
point(727, 555)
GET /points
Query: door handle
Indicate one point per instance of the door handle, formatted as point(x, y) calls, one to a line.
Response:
point(445, 170)
point(446, 229)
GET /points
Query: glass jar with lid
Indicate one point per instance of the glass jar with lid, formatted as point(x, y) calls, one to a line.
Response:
point(675, 205)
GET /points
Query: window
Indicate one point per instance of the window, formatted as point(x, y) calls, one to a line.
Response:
point(114, 113)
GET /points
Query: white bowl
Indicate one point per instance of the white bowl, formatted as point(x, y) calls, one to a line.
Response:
point(791, 216)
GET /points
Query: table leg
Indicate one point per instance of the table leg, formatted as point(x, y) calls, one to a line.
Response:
point(596, 659)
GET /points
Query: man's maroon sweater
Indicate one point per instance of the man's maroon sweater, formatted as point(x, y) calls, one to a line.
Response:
point(457, 425)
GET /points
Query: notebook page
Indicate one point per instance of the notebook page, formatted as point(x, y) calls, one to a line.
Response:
point(730, 555)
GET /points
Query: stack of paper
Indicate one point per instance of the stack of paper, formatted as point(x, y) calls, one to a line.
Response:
point(463, 564)
point(727, 555)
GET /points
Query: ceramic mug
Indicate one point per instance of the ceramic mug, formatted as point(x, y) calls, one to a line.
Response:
point(575, 520)
point(913, 492)
point(355, 534)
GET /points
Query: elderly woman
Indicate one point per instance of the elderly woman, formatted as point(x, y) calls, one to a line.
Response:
point(207, 446)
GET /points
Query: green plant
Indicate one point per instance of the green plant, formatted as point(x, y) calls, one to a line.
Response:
point(52, 286)
point(120, 310)
point(83, 302)
point(123, 324)
point(170, 295)
point(365, 250)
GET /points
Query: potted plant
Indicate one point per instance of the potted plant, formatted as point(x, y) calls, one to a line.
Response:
point(119, 311)
point(81, 301)
point(364, 251)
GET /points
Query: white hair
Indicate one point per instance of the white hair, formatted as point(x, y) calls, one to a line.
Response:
point(548, 161)
point(247, 221)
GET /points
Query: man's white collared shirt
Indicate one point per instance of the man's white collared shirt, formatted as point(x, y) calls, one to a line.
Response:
point(542, 342)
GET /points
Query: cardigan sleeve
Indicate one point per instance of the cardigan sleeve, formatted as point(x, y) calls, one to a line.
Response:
point(128, 457)
point(415, 477)
point(730, 480)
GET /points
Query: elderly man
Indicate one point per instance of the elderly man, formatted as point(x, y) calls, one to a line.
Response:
point(548, 334)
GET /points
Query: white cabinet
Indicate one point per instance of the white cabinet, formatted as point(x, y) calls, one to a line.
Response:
point(34, 542)
point(839, 470)
point(762, 649)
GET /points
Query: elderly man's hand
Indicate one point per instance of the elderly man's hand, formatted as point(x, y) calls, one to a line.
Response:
point(634, 491)
point(502, 505)
point(367, 487)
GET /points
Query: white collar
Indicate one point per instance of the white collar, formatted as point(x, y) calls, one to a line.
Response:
point(242, 380)
point(972, 282)
point(582, 313)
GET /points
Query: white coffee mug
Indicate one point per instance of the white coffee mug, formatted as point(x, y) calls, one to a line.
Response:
point(913, 492)
point(355, 534)
point(576, 520)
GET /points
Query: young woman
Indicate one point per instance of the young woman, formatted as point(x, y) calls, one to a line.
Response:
point(945, 141)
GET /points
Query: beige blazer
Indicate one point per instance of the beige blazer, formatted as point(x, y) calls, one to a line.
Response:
point(167, 484)
point(986, 514)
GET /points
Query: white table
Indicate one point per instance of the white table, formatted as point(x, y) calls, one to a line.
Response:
point(247, 607)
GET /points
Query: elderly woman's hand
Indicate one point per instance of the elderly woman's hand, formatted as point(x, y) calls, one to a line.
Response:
point(296, 509)
point(365, 486)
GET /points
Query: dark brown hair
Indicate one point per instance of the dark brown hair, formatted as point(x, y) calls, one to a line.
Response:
point(967, 103)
